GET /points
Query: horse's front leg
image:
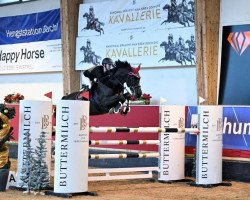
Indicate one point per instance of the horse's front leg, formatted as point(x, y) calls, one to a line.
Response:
point(125, 108)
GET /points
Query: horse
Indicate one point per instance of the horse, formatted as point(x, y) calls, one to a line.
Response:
point(95, 58)
point(191, 45)
point(93, 24)
point(103, 98)
point(176, 16)
point(189, 56)
point(90, 56)
point(169, 51)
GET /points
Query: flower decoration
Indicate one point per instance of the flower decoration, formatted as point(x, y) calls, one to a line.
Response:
point(13, 98)
point(145, 98)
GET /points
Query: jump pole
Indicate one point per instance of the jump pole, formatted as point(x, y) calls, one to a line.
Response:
point(142, 130)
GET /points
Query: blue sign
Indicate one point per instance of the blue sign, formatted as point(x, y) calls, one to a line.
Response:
point(236, 127)
point(40, 26)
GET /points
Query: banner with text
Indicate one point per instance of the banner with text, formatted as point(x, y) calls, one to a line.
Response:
point(134, 31)
point(236, 127)
point(31, 57)
point(30, 43)
point(149, 48)
point(129, 16)
point(40, 26)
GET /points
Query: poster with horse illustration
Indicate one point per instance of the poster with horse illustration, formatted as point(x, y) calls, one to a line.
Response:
point(109, 17)
point(155, 33)
point(151, 49)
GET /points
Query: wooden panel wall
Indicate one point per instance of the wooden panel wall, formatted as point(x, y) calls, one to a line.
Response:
point(69, 21)
point(207, 13)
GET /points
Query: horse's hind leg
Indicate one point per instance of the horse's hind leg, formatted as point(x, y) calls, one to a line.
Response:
point(115, 102)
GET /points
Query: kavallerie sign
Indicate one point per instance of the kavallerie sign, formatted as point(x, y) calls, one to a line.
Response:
point(154, 33)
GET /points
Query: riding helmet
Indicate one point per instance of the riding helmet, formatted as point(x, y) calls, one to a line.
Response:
point(107, 61)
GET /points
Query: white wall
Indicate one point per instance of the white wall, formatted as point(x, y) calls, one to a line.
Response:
point(32, 86)
point(176, 85)
point(232, 12)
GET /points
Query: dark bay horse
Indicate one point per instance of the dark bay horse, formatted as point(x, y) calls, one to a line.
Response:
point(103, 98)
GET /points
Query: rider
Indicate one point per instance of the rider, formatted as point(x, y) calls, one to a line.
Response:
point(172, 11)
point(184, 9)
point(91, 16)
point(184, 6)
point(88, 52)
point(171, 46)
point(100, 73)
point(180, 46)
point(192, 44)
point(103, 73)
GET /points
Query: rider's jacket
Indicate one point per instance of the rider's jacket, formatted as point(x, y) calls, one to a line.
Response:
point(104, 77)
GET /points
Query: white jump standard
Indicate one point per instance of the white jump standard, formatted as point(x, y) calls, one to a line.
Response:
point(71, 171)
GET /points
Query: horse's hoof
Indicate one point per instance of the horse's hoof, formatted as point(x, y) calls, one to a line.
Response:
point(123, 113)
point(128, 109)
point(111, 110)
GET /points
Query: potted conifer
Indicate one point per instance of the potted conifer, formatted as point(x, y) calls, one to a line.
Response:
point(5, 135)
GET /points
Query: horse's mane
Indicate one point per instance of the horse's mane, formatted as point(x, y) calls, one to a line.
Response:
point(121, 66)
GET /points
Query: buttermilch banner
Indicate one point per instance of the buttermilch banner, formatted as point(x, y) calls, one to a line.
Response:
point(150, 48)
point(30, 43)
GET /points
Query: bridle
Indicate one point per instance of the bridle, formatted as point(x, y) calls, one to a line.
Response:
point(128, 80)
